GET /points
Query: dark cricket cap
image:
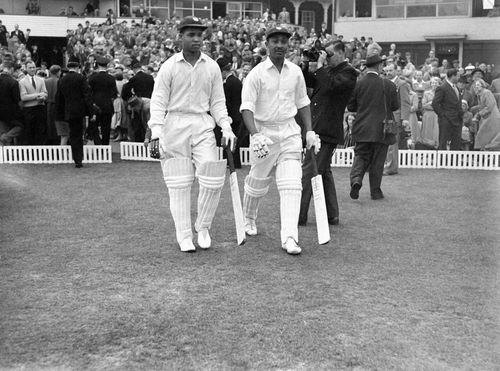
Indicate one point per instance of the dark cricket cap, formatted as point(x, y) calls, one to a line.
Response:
point(277, 31)
point(73, 62)
point(193, 22)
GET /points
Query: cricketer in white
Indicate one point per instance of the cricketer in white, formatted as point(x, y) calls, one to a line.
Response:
point(188, 86)
point(273, 92)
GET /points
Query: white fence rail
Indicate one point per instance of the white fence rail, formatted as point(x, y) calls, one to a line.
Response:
point(416, 159)
point(52, 154)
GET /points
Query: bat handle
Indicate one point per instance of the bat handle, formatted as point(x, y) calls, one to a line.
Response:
point(313, 160)
point(230, 159)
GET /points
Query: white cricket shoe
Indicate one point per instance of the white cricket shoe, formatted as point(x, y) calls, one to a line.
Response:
point(204, 240)
point(250, 227)
point(291, 246)
point(187, 245)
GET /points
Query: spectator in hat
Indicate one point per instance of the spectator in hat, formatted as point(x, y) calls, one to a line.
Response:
point(73, 103)
point(372, 143)
point(103, 90)
point(10, 114)
point(189, 86)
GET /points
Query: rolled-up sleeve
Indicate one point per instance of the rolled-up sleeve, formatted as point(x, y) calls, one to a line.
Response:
point(159, 99)
point(301, 99)
point(249, 92)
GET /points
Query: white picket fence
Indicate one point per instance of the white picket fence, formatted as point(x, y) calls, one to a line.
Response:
point(52, 154)
point(417, 159)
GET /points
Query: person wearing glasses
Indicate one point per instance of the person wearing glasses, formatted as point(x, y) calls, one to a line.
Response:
point(332, 83)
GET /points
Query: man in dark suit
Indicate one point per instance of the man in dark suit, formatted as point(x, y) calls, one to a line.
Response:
point(141, 85)
point(447, 105)
point(232, 91)
point(10, 111)
point(333, 84)
point(73, 103)
point(104, 91)
point(20, 34)
point(371, 146)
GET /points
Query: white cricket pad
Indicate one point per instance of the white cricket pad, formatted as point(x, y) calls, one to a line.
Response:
point(289, 183)
point(179, 175)
point(255, 189)
point(211, 176)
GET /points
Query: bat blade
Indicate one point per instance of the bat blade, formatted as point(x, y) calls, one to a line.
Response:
point(322, 226)
point(237, 208)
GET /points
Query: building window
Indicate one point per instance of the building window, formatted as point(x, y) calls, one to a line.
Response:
point(420, 8)
point(200, 9)
point(244, 9)
point(159, 8)
point(346, 8)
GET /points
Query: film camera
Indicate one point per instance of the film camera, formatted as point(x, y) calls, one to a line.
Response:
point(312, 54)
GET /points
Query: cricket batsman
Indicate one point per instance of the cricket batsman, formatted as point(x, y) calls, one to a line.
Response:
point(188, 86)
point(273, 92)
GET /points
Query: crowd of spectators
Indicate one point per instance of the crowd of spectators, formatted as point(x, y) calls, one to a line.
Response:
point(146, 42)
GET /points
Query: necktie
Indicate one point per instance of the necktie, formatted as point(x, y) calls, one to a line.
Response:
point(33, 82)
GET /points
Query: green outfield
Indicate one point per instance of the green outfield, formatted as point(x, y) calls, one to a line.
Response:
point(91, 277)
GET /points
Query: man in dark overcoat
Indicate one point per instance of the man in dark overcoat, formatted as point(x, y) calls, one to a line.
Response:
point(10, 112)
point(104, 91)
point(374, 98)
point(333, 84)
point(73, 103)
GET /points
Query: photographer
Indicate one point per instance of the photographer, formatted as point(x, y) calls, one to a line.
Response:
point(333, 83)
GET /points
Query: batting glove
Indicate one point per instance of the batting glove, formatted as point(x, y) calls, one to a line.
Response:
point(312, 140)
point(228, 139)
point(260, 145)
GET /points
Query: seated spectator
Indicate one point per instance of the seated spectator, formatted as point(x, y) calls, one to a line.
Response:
point(32, 7)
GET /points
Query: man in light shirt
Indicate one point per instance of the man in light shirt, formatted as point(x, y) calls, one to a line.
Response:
point(273, 92)
point(188, 86)
point(33, 95)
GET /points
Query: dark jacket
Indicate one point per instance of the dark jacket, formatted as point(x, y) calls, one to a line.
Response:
point(142, 85)
point(20, 36)
point(103, 90)
point(73, 100)
point(447, 105)
point(232, 91)
point(332, 89)
point(368, 101)
point(9, 98)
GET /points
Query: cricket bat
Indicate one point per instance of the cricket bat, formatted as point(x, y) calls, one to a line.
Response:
point(235, 197)
point(322, 227)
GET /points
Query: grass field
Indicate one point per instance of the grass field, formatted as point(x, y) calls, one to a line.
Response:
point(91, 277)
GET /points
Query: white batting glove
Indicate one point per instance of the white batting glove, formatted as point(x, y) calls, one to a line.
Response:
point(228, 139)
point(260, 145)
point(312, 140)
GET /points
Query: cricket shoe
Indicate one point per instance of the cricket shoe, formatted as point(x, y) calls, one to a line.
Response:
point(291, 246)
point(204, 240)
point(187, 245)
point(250, 227)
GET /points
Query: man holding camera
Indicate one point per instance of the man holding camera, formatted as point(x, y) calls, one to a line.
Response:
point(333, 83)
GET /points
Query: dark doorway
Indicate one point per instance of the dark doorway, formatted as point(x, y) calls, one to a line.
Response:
point(218, 10)
point(447, 51)
point(47, 47)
